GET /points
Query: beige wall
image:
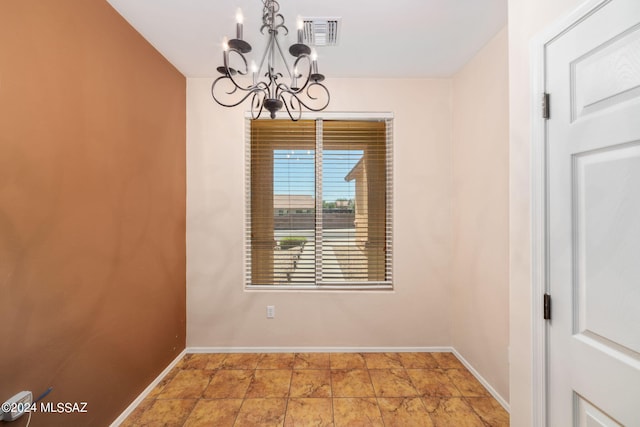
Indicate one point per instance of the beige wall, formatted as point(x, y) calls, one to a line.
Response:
point(417, 313)
point(92, 208)
point(526, 18)
point(480, 266)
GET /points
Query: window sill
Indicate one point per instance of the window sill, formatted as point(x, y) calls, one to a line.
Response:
point(319, 288)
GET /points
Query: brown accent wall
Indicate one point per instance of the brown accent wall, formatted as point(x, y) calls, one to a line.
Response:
point(92, 208)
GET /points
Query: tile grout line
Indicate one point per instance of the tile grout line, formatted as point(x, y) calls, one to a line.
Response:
point(421, 398)
point(466, 399)
point(418, 391)
point(375, 392)
point(286, 404)
point(198, 399)
point(333, 414)
point(244, 396)
point(235, 420)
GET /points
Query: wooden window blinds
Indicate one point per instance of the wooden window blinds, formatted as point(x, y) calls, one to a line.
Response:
point(319, 204)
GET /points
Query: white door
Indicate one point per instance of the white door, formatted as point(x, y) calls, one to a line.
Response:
point(593, 160)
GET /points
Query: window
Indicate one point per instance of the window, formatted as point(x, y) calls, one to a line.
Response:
point(319, 204)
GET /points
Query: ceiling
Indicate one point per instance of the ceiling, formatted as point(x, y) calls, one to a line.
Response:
point(378, 39)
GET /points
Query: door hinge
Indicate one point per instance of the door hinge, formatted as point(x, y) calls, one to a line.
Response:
point(547, 307)
point(546, 109)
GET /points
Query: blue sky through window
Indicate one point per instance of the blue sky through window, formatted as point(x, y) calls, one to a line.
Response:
point(294, 170)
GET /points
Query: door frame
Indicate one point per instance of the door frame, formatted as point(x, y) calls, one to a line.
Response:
point(539, 205)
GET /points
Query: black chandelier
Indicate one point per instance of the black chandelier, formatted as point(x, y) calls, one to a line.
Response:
point(304, 88)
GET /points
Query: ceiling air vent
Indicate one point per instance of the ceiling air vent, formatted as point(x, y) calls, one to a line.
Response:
point(320, 31)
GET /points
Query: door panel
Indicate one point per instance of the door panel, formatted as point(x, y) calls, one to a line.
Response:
point(607, 75)
point(606, 190)
point(590, 416)
point(593, 163)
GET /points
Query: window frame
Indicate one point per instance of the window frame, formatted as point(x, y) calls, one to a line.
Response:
point(386, 285)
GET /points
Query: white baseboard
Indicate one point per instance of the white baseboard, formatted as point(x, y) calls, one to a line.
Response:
point(123, 416)
point(484, 382)
point(317, 349)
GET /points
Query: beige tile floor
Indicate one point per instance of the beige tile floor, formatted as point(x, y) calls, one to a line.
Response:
point(319, 389)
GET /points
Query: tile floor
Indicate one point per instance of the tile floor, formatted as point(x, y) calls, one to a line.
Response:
point(319, 389)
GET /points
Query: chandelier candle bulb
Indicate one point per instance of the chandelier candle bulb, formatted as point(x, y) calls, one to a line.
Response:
point(254, 72)
point(225, 49)
point(300, 25)
point(314, 61)
point(239, 20)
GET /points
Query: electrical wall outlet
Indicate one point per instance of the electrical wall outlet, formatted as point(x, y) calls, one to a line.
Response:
point(16, 406)
point(271, 311)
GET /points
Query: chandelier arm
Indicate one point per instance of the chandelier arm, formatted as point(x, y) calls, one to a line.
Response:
point(249, 92)
point(233, 90)
point(326, 91)
point(264, 87)
point(230, 75)
point(281, 88)
point(261, 86)
point(257, 102)
point(289, 110)
point(295, 66)
point(244, 60)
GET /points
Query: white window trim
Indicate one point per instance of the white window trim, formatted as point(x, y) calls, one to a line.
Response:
point(319, 287)
point(331, 115)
